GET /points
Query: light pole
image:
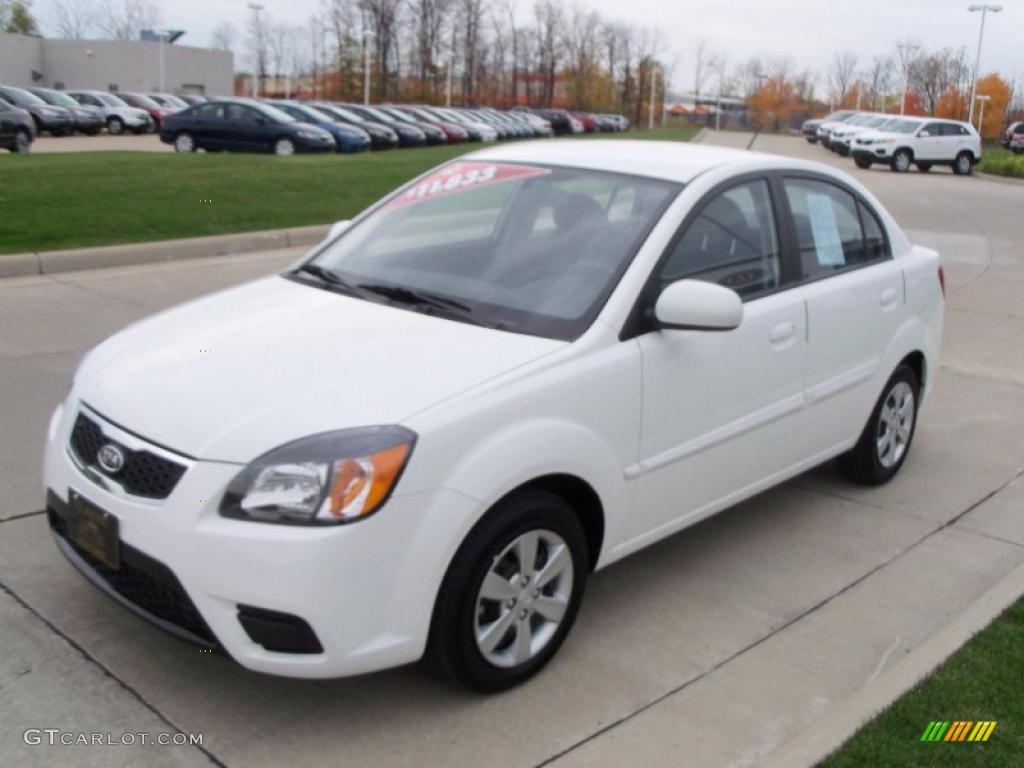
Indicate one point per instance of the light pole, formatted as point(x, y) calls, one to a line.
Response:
point(163, 39)
point(981, 119)
point(985, 9)
point(258, 35)
point(650, 108)
point(366, 68)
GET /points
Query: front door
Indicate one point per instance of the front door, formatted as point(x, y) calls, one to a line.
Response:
point(721, 409)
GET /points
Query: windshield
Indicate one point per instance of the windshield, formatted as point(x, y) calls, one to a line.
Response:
point(57, 98)
point(348, 115)
point(902, 126)
point(23, 98)
point(275, 113)
point(528, 249)
point(170, 100)
point(378, 115)
point(110, 100)
point(144, 101)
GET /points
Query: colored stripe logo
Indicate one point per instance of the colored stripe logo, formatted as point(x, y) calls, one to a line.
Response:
point(959, 730)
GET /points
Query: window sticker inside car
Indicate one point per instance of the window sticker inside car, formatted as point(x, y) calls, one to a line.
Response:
point(825, 231)
point(461, 176)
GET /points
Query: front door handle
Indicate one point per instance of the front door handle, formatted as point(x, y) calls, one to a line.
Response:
point(782, 333)
point(889, 298)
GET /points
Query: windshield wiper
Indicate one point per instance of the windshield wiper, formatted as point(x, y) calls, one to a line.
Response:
point(327, 276)
point(429, 302)
point(402, 295)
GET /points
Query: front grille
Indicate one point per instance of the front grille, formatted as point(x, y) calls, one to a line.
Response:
point(144, 582)
point(144, 474)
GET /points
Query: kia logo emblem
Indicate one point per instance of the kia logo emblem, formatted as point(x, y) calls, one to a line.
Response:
point(110, 458)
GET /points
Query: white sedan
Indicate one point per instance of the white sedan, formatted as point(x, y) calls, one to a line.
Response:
point(519, 368)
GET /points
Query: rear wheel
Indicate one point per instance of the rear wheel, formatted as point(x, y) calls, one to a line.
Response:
point(964, 164)
point(115, 126)
point(885, 441)
point(901, 161)
point(924, 167)
point(184, 142)
point(511, 594)
point(284, 147)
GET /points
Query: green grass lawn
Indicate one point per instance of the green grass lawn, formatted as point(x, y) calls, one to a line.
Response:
point(56, 201)
point(984, 680)
point(1001, 162)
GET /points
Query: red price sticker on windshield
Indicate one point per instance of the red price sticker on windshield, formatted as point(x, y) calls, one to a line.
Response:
point(461, 176)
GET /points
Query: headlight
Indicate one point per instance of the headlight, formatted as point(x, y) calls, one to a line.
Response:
point(325, 479)
point(312, 134)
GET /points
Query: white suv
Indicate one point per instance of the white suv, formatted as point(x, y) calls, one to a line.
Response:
point(923, 142)
point(119, 116)
point(843, 134)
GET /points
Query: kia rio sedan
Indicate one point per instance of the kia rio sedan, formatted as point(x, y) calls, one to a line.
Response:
point(526, 364)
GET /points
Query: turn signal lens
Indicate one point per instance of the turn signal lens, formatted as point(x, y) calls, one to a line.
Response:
point(942, 281)
point(361, 484)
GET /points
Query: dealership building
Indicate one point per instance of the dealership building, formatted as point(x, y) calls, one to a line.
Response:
point(114, 65)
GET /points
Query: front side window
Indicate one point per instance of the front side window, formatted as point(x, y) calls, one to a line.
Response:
point(242, 113)
point(732, 242)
point(530, 249)
point(829, 232)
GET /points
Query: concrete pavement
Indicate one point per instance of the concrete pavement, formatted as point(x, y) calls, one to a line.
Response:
point(717, 647)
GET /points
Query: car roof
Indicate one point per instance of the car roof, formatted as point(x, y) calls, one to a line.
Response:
point(671, 161)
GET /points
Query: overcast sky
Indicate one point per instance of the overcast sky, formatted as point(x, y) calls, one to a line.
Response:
point(806, 31)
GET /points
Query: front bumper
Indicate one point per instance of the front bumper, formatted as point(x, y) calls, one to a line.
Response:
point(877, 154)
point(366, 591)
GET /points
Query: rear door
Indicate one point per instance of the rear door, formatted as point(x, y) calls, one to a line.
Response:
point(208, 125)
point(854, 294)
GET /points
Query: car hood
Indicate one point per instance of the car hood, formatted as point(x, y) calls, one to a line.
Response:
point(874, 135)
point(235, 374)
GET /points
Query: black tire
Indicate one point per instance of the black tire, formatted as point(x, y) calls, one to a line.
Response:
point(184, 143)
point(862, 464)
point(452, 649)
point(22, 142)
point(811, 139)
point(964, 164)
point(924, 167)
point(901, 160)
point(115, 126)
point(862, 162)
point(843, 151)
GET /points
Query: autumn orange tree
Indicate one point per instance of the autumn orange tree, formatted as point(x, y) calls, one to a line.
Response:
point(999, 92)
point(773, 104)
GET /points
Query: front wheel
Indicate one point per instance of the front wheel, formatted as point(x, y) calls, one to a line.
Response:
point(901, 161)
point(885, 441)
point(511, 594)
point(862, 162)
point(115, 126)
point(284, 147)
point(22, 142)
point(964, 164)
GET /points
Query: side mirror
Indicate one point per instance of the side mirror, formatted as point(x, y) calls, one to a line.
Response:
point(337, 228)
point(693, 305)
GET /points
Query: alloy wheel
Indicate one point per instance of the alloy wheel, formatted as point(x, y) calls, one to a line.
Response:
point(284, 147)
point(184, 143)
point(21, 142)
point(523, 598)
point(895, 425)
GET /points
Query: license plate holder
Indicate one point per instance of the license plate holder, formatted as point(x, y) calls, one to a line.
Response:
point(94, 530)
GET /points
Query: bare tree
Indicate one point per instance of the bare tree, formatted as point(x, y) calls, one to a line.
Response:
point(879, 78)
point(840, 75)
point(72, 19)
point(701, 66)
point(124, 19)
point(257, 44)
point(223, 37)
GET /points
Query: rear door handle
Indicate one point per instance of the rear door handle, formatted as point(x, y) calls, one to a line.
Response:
point(889, 298)
point(782, 333)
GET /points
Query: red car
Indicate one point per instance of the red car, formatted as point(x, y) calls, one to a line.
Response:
point(588, 121)
point(142, 101)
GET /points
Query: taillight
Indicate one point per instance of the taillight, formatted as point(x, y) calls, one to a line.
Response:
point(942, 281)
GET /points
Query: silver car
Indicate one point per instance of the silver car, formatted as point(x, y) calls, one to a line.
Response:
point(118, 116)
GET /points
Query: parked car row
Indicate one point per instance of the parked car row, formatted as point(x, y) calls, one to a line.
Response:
point(62, 113)
point(898, 141)
point(285, 127)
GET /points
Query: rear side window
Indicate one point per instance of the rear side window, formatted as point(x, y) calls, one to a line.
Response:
point(209, 110)
point(732, 242)
point(834, 231)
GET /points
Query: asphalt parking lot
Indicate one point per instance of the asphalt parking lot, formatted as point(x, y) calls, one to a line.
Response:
point(716, 647)
point(104, 142)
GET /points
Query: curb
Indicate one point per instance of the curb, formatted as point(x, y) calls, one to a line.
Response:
point(831, 731)
point(702, 134)
point(51, 262)
point(1000, 179)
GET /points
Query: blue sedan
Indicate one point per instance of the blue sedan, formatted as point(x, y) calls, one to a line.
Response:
point(349, 138)
point(242, 125)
